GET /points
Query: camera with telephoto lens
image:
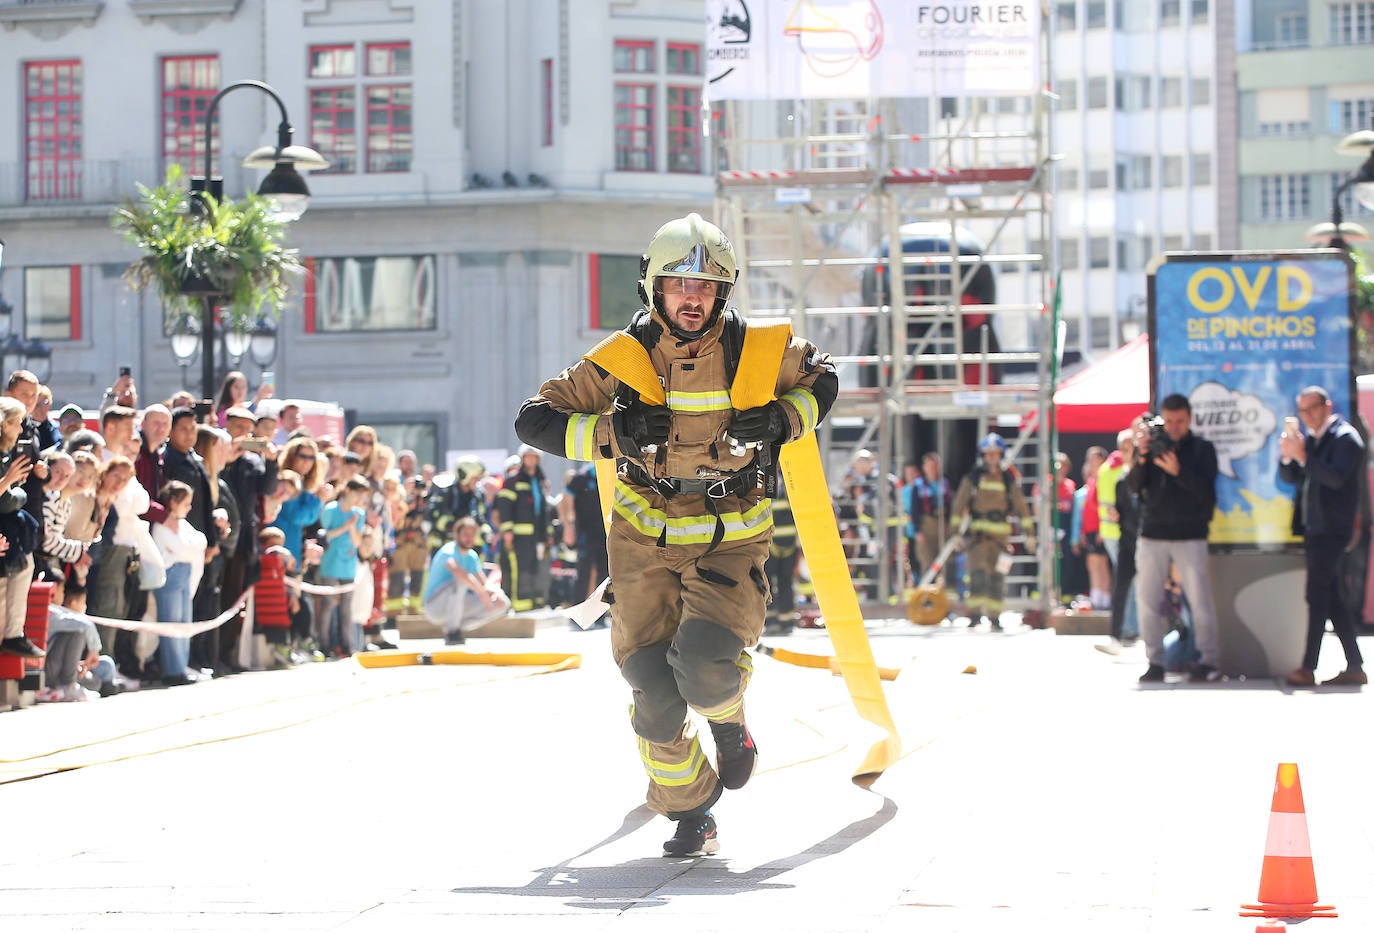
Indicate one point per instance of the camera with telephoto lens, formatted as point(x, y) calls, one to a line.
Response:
point(1160, 441)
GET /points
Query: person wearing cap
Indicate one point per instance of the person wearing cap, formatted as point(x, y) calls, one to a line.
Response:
point(989, 497)
point(70, 419)
point(522, 516)
point(691, 520)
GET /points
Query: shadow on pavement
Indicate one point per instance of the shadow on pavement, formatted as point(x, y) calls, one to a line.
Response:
point(638, 883)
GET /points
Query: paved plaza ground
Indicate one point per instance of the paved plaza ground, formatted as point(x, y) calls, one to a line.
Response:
point(1046, 791)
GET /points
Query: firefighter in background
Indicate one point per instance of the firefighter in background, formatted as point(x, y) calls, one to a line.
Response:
point(522, 516)
point(926, 501)
point(455, 495)
point(990, 496)
point(691, 521)
point(781, 567)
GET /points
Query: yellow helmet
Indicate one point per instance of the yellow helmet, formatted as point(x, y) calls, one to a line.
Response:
point(689, 247)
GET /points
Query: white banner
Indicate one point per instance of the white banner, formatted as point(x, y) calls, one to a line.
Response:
point(771, 49)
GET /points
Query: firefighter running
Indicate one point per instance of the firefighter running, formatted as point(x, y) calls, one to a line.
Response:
point(990, 496)
point(691, 521)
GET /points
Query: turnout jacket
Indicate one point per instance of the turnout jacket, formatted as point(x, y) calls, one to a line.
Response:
point(990, 499)
point(572, 417)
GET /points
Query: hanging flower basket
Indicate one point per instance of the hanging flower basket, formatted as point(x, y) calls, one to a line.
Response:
point(231, 250)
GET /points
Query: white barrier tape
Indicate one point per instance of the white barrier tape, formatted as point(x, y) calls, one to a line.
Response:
point(174, 629)
point(317, 590)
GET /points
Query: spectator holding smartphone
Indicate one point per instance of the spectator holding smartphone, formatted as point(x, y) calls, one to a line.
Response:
point(1324, 464)
point(19, 530)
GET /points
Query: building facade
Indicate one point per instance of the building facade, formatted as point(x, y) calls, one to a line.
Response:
point(496, 170)
point(1140, 122)
point(1305, 82)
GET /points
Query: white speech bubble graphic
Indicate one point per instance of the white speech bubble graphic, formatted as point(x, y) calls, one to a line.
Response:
point(1237, 423)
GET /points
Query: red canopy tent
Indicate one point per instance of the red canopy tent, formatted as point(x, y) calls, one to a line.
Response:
point(1103, 398)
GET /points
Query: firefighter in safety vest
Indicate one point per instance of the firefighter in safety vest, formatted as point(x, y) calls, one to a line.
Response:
point(990, 496)
point(691, 521)
point(522, 515)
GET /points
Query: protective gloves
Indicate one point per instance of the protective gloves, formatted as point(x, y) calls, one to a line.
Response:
point(644, 425)
point(767, 423)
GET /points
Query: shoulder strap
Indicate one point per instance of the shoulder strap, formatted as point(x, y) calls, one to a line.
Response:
point(732, 341)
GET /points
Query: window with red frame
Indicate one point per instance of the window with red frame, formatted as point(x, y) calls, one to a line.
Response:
point(333, 110)
point(389, 138)
point(333, 127)
point(546, 101)
point(634, 127)
point(634, 56)
point(189, 82)
point(683, 58)
point(52, 130)
point(613, 290)
point(387, 134)
point(359, 293)
point(333, 61)
point(388, 59)
point(52, 302)
point(684, 129)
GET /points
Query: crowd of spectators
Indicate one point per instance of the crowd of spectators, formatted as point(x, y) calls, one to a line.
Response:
point(150, 517)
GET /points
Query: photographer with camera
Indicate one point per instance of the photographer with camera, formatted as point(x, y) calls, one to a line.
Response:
point(1175, 476)
point(1325, 467)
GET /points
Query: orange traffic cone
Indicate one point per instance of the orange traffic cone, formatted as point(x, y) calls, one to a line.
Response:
point(1288, 885)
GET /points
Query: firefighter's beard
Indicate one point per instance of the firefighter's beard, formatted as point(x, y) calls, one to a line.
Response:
point(691, 319)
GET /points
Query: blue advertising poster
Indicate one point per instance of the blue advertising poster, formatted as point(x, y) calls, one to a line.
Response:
point(1240, 336)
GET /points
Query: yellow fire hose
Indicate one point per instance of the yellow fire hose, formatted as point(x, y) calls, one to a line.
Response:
point(553, 661)
point(819, 661)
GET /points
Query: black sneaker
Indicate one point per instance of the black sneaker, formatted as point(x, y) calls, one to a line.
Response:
point(1204, 674)
point(694, 836)
point(735, 754)
point(21, 647)
point(1154, 674)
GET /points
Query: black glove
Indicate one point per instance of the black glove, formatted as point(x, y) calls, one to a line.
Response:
point(643, 425)
point(767, 423)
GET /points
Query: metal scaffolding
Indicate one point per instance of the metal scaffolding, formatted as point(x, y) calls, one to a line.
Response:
point(820, 198)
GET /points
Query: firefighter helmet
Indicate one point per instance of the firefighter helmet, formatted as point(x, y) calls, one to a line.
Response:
point(689, 247)
point(469, 468)
point(993, 442)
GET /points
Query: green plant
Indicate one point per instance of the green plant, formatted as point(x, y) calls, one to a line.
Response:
point(1364, 313)
point(229, 249)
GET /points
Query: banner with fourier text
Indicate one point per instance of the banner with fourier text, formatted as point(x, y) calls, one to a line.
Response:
point(1240, 335)
point(779, 49)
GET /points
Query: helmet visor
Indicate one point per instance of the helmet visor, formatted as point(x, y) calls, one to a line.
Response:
point(698, 260)
point(675, 285)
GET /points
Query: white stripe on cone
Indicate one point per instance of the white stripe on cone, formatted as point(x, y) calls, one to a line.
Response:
point(1288, 836)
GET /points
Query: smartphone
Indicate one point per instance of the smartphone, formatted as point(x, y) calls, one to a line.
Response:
point(1290, 426)
point(126, 371)
point(254, 443)
point(269, 378)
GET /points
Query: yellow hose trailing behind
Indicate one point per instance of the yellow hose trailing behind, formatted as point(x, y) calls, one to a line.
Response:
point(553, 661)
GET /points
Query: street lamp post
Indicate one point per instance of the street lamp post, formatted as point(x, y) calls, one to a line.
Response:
point(283, 186)
point(1356, 144)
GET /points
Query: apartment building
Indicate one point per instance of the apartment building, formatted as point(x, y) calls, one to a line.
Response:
point(496, 167)
point(1305, 82)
